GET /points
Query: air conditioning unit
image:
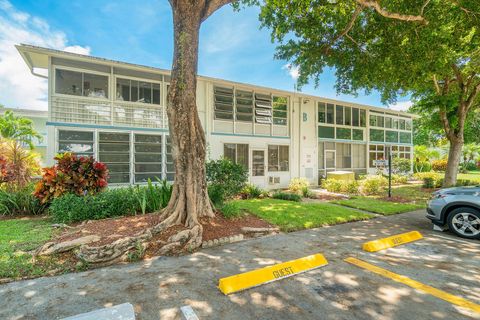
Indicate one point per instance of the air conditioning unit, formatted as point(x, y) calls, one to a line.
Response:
point(273, 180)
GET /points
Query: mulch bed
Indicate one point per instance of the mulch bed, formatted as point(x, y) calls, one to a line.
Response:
point(220, 227)
point(110, 230)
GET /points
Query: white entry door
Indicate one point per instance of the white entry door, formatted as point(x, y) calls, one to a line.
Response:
point(258, 176)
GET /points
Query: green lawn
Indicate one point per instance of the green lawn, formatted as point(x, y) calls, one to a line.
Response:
point(414, 193)
point(291, 216)
point(17, 236)
point(473, 175)
point(379, 206)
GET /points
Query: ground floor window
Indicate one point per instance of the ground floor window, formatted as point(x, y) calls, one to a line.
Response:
point(341, 156)
point(380, 152)
point(148, 157)
point(278, 158)
point(376, 152)
point(130, 157)
point(237, 153)
point(78, 142)
point(114, 151)
point(401, 152)
point(169, 166)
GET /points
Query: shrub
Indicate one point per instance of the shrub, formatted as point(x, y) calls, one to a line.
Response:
point(153, 197)
point(429, 182)
point(373, 184)
point(18, 164)
point(297, 185)
point(341, 186)
point(439, 165)
point(251, 191)
point(110, 203)
point(225, 179)
point(430, 179)
point(287, 196)
point(350, 187)
point(332, 185)
point(468, 166)
point(422, 166)
point(6, 170)
point(231, 210)
point(399, 179)
point(71, 174)
point(306, 193)
point(20, 202)
point(401, 165)
point(216, 194)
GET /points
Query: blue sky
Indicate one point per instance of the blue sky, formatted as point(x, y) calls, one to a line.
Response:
point(232, 46)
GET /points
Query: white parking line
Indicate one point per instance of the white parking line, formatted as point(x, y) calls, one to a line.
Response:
point(455, 239)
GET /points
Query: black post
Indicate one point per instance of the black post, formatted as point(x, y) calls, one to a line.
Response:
point(390, 172)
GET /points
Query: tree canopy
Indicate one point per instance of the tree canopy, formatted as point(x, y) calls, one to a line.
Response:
point(428, 129)
point(428, 49)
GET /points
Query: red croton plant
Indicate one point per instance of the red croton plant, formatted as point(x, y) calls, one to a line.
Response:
point(6, 170)
point(72, 174)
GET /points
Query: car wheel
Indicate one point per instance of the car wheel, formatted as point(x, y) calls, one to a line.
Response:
point(465, 222)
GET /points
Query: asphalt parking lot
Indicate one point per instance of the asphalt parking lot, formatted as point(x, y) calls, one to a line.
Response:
point(340, 290)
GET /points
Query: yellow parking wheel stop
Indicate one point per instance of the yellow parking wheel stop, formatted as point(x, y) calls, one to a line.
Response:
point(265, 275)
point(393, 241)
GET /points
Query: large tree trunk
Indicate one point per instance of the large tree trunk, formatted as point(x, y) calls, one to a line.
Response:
point(189, 199)
point(454, 155)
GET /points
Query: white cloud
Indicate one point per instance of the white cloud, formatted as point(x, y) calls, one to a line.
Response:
point(18, 87)
point(293, 71)
point(401, 105)
point(78, 49)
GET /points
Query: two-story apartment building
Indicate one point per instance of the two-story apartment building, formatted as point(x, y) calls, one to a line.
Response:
point(116, 112)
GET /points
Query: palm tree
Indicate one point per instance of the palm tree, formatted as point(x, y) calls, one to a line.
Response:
point(18, 128)
point(424, 154)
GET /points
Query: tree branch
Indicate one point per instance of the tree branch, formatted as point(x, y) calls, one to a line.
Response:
point(392, 15)
point(349, 26)
point(458, 75)
point(424, 6)
point(213, 5)
point(445, 122)
point(467, 11)
point(437, 87)
point(473, 95)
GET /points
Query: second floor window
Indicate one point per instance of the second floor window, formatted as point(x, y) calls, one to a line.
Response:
point(81, 84)
point(138, 91)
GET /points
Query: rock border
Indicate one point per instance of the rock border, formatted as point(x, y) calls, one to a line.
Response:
point(221, 241)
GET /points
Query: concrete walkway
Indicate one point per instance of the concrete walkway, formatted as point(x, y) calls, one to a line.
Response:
point(159, 287)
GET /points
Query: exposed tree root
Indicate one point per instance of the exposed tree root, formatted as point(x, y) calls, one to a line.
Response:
point(185, 240)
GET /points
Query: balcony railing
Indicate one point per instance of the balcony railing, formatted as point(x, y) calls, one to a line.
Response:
point(89, 111)
point(139, 115)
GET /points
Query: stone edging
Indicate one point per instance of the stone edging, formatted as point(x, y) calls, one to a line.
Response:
point(221, 241)
point(252, 232)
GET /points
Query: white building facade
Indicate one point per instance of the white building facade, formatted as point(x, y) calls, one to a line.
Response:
point(116, 112)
